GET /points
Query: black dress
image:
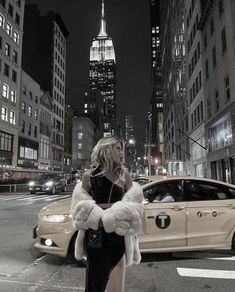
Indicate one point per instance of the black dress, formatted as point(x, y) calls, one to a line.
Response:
point(101, 261)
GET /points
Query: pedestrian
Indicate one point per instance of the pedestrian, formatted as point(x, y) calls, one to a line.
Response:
point(107, 209)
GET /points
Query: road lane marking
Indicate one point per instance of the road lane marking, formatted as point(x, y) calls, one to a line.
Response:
point(208, 256)
point(44, 285)
point(202, 273)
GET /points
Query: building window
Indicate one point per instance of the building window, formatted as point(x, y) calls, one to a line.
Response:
point(207, 70)
point(3, 3)
point(30, 95)
point(6, 141)
point(18, 2)
point(5, 90)
point(35, 131)
point(216, 100)
point(24, 90)
point(16, 37)
point(7, 49)
point(212, 27)
point(10, 10)
point(221, 7)
point(223, 40)
point(12, 117)
point(35, 114)
point(13, 95)
point(22, 126)
point(214, 57)
point(23, 106)
point(6, 70)
point(227, 88)
point(29, 129)
point(30, 111)
point(4, 113)
point(15, 56)
point(220, 135)
point(17, 19)
point(2, 21)
point(14, 76)
point(9, 29)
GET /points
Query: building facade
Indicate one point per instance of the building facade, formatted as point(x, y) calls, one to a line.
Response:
point(68, 126)
point(45, 61)
point(195, 127)
point(156, 116)
point(29, 121)
point(11, 34)
point(217, 26)
point(45, 131)
point(176, 145)
point(82, 143)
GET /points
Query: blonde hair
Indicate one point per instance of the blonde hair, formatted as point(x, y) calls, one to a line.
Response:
point(102, 156)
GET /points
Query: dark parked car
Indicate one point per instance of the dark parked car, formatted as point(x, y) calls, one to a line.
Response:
point(49, 183)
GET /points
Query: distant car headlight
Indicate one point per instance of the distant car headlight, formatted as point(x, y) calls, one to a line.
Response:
point(57, 218)
point(49, 183)
point(31, 183)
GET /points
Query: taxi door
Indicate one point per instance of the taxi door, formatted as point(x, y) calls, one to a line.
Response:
point(211, 214)
point(164, 222)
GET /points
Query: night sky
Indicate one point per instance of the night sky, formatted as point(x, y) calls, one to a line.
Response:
point(128, 24)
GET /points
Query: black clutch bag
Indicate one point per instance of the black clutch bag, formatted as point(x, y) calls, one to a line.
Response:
point(94, 238)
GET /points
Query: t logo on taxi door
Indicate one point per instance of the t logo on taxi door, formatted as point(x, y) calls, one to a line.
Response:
point(163, 220)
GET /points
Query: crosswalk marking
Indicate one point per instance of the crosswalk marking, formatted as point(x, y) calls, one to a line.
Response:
point(203, 273)
point(30, 199)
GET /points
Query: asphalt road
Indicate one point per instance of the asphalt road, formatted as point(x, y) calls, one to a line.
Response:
point(23, 268)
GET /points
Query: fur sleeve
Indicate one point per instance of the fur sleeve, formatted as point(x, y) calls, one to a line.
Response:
point(124, 217)
point(85, 213)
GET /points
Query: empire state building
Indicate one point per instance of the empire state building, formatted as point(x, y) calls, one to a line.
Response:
point(101, 100)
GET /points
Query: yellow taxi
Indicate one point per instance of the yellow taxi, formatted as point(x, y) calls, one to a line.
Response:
point(181, 214)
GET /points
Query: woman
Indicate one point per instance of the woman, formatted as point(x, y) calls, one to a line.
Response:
point(107, 201)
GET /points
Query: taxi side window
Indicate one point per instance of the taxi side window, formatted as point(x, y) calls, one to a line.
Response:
point(165, 192)
point(201, 191)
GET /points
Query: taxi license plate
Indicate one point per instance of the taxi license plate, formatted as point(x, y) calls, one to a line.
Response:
point(37, 189)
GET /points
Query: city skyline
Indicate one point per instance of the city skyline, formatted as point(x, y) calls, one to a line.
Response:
point(131, 37)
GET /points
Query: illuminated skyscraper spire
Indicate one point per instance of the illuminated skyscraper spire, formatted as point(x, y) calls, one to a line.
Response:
point(102, 33)
point(102, 79)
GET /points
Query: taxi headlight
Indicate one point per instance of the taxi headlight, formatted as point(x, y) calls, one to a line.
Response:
point(49, 183)
point(57, 218)
point(31, 183)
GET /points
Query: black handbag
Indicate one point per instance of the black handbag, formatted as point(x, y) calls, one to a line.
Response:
point(94, 237)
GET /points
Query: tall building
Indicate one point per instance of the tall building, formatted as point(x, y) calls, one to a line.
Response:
point(194, 127)
point(11, 34)
point(102, 79)
point(217, 26)
point(29, 121)
point(130, 150)
point(176, 145)
point(156, 113)
point(44, 58)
